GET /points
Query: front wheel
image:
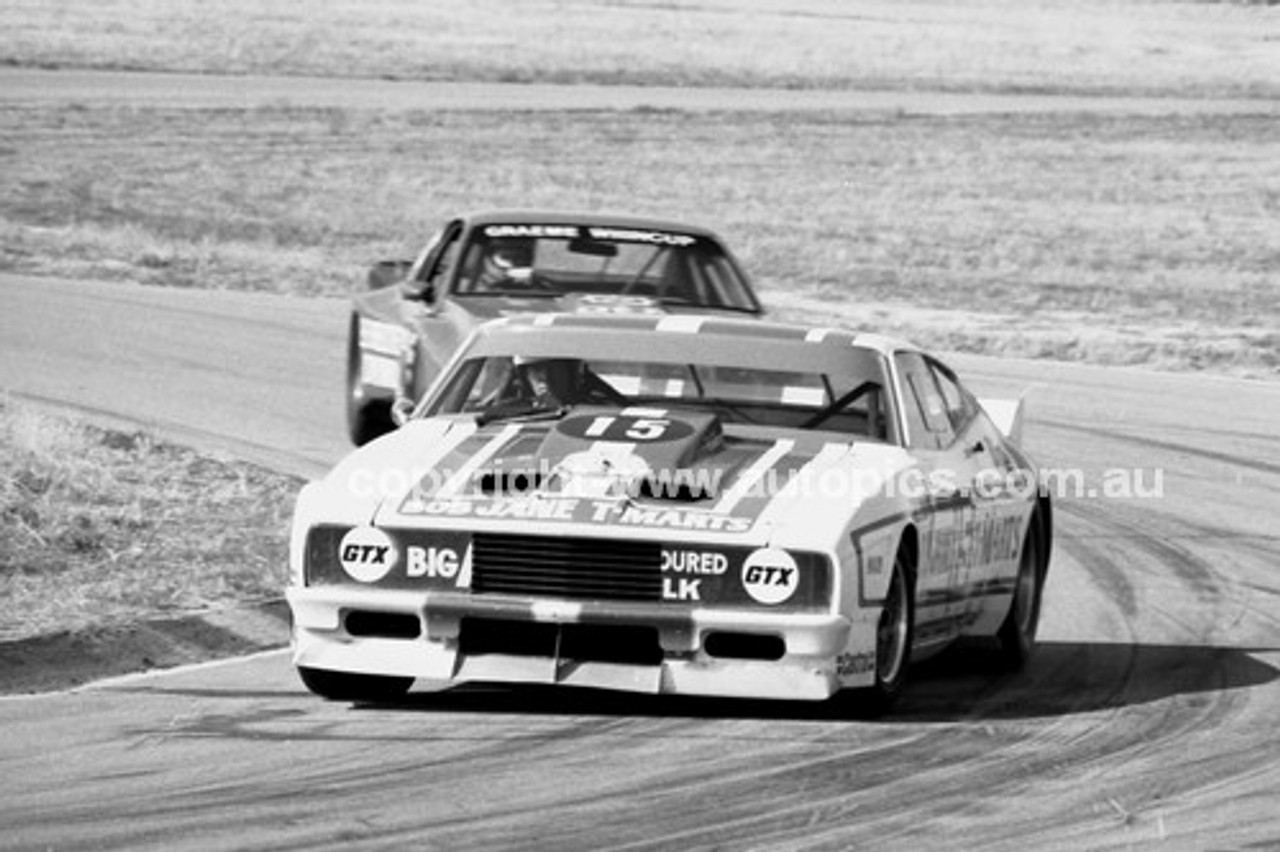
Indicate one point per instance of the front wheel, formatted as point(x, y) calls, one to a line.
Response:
point(1017, 635)
point(894, 634)
point(348, 686)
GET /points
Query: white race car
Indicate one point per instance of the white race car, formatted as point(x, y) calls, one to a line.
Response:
point(671, 504)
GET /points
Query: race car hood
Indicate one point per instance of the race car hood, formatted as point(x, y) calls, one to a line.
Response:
point(607, 471)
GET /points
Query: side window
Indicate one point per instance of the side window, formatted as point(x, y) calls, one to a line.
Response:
point(928, 425)
point(959, 408)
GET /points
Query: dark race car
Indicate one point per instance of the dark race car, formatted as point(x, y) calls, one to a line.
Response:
point(412, 316)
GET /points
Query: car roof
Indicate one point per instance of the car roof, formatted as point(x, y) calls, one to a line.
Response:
point(676, 336)
point(583, 217)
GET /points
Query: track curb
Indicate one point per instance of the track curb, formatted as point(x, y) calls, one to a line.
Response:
point(60, 661)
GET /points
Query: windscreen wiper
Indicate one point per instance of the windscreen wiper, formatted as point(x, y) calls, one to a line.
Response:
point(526, 411)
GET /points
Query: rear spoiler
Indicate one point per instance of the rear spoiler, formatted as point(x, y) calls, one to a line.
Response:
point(1007, 415)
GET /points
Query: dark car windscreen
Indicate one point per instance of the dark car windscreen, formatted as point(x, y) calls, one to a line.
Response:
point(673, 268)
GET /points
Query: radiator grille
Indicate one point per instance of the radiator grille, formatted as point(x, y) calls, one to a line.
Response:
point(566, 567)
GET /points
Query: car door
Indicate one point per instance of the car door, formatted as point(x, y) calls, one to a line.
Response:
point(944, 513)
point(998, 508)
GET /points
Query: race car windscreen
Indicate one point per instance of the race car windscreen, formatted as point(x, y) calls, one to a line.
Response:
point(552, 260)
point(500, 386)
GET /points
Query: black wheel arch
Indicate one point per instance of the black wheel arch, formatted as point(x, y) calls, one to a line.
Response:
point(909, 542)
point(1042, 517)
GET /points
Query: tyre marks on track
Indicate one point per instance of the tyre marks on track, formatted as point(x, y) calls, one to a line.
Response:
point(1254, 462)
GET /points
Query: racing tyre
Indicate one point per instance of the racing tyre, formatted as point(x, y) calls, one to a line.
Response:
point(894, 633)
point(1017, 635)
point(347, 686)
point(366, 418)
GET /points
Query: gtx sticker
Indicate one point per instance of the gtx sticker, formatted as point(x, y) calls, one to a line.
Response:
point(367, 554)
point(770, 575)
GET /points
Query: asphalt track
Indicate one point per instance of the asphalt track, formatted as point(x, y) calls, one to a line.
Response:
point(206, 91)
point(1147, 719)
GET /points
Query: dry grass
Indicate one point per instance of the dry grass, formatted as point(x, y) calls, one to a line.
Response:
point(1114, 239)
point(1081, 46)
point(100, 526)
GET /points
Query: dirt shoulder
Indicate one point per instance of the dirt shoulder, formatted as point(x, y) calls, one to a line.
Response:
point(120, 552)
point(67, 659)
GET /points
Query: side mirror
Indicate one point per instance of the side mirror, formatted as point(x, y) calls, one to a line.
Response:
point(402, 410)
point(384, 273)
point(417, 291)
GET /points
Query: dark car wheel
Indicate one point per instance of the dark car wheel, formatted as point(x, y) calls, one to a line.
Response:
point(894, 634)
point(366, 418)
point(1017, 635)
point(348, 686)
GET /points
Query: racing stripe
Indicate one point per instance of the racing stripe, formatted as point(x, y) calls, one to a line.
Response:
point(806, 477)
point(475, 440)
point(641, 411)
point(455, 439)
point(752, 475)
point(459, 480)
point(771, 483)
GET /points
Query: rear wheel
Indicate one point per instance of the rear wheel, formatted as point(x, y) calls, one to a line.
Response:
point(1017, 635)
point(366, 418)
point(348, 686)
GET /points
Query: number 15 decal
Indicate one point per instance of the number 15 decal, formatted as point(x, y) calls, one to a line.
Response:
point(625, 428)
point(637, 429)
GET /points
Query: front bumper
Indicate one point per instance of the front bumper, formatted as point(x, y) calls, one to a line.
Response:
point(806, 670)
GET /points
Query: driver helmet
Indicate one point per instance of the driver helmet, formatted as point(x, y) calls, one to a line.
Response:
point(556, 378)
point(511, 253)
